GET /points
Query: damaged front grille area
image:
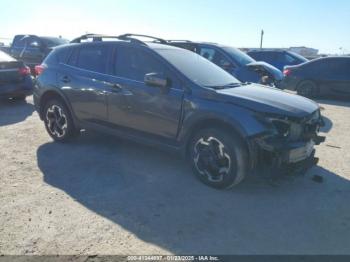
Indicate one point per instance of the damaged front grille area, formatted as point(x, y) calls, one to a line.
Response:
point(292, 130)
point(289, 145)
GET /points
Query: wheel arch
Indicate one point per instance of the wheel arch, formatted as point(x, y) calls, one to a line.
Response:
point(53, 94)
point(315, 83)
point(212, 123)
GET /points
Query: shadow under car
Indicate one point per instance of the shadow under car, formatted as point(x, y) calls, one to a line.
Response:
point(156, 197)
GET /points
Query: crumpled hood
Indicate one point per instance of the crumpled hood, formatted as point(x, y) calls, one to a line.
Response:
point(269, 100)
point(263, 66)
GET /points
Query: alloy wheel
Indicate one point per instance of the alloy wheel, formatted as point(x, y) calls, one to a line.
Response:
point(211, 159)
point(56, 121)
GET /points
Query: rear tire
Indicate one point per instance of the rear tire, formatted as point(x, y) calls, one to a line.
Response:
point(218, 158)
point(308, 89)
point(58, 121)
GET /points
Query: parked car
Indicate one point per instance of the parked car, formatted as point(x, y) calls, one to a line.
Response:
point(4, 48)
point(32, 49)
point(323, 76)
point(277, 58)
point(15, 79)
point(234, 61)
point(175, 99)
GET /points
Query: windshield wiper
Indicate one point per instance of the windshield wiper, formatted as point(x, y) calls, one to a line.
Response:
point(229, 85)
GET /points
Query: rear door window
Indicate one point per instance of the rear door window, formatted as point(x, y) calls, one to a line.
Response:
point(318, 67)
point(340, 67)
point(94, 58)
point(133, 63)
point(214, 56)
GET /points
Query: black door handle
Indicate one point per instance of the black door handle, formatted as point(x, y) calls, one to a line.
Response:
point(65, 79)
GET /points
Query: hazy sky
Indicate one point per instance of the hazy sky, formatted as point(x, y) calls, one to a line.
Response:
point(321, 24)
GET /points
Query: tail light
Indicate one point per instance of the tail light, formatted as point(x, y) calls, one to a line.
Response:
point(287, 72)
point(23, 71)
point(39, 69)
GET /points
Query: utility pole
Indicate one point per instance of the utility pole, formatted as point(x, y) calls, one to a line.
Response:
point(261, 38)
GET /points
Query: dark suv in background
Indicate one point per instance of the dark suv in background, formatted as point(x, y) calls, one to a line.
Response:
point(234, 61)
point(32, 49)
point(175, 99)
point(277, 58)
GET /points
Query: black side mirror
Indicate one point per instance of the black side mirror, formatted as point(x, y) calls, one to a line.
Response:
point(157, 80)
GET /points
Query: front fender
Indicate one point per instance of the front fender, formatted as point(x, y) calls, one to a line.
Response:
point(240, 119)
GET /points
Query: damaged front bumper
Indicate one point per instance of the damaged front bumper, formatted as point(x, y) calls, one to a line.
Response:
point(287, 145)
point(277, 156)
point(289, 152)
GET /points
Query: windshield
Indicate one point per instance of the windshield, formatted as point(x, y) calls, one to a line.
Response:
point(240, 57)
point(300, 57)
point(5, 57)
point(198, 69)
point(54, 41)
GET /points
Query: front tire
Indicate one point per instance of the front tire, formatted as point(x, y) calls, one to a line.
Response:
point(58, 121)
point(219, 159)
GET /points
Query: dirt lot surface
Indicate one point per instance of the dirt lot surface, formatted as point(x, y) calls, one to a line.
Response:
point(102, 195)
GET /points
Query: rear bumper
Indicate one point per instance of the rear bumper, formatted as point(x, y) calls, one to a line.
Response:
point(17, 89)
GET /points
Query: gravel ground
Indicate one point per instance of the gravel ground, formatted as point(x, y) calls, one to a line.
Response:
point(102, 195)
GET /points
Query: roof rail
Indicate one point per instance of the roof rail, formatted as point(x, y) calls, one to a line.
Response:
point(174, 41)
point(95, 37)
point(99, 38)
point(130, 37)
point(267, 49)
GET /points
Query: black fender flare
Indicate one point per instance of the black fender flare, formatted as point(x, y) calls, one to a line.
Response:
point(55, 93)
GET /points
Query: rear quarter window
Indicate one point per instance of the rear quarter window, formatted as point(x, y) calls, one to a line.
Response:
point(73, 57)
point(63, 55)
point(51, 59)
point(58, 56)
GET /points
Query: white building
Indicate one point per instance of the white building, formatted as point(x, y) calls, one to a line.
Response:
point(304, 51)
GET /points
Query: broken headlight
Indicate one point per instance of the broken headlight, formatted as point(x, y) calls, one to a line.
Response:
point(285, 128)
